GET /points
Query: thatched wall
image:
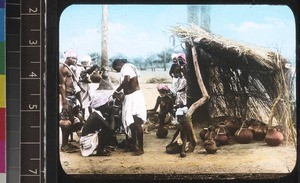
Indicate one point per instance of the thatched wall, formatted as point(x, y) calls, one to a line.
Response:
point(243, 81)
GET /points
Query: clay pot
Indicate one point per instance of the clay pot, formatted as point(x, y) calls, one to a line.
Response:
point(161, 132)
point(64, 123)
point(253, 126)
point(210, 146)
point(211, 134)
point(173, 148)
point(221, 136)
point(202, 133)
point(274, 137)
point(260, 132)
point(95, 77)
point(243, 135)
point(231, 126)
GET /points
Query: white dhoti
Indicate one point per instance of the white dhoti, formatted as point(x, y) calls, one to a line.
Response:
point(133, 104)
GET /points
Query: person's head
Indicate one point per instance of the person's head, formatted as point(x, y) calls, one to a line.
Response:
point(162, 89)
point(174, 58)
point(181, 59)
point(180, 115)
point(118, 64)
point(71, 57)
point(86, 60)
point(179, 104)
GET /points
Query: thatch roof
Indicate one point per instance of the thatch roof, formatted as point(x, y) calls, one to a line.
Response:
point(242, 80)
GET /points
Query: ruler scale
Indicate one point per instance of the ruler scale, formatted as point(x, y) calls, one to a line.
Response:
point(31, 53)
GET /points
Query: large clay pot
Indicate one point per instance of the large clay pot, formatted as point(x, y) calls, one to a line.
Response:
point(253, 126)
point(221, 136)
point(161, 132)
point(174, 148)
point(260, 132)
point(243, 135)
point(64, 123)
point(274, 137)
point(202, 133)
point(210, 146)
point(231, 126)
point(95, 77)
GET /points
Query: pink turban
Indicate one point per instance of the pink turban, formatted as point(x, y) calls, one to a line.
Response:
point(162, 86)
point(182, 55)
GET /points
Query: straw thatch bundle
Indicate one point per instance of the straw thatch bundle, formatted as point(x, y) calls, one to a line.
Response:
point(243, 81)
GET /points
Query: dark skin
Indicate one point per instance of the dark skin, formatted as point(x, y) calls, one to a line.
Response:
point(67, 88)
point(182, 128)
point(107, 127)
point(165, 102)
point(130, 85)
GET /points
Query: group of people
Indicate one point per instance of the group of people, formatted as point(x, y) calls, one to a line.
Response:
point(170, 99)
point(97, 117)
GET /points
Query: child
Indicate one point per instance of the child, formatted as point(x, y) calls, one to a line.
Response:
point(182, 128)
point(164, 102)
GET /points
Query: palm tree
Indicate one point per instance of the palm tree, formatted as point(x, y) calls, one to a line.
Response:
point(205, 18)
point(104, 56)
point(193, 14)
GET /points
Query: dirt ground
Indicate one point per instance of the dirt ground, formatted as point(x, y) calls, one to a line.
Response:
point(256, 157)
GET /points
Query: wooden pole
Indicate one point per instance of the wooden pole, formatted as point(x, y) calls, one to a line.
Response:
point(198, 103)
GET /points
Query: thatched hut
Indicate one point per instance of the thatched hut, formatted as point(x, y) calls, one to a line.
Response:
point(242, 81)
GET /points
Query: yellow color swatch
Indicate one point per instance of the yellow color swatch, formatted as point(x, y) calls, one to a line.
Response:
point(2, 91)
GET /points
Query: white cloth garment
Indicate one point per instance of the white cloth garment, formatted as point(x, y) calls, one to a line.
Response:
point(181, 96)
point(129, 70)
point(89, 144)
point(133, 104)
point(101, 97)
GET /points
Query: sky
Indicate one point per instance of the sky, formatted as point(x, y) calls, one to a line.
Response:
point(140, 30)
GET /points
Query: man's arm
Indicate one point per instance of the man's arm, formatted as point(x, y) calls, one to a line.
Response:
point(124, 83)
point(156, 104)
point(62, 88)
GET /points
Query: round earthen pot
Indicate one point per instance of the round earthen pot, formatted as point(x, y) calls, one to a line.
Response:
point(64, 123)
point(210, 146)
point(274, 137)
point(260, 132)
point(174, 148)
point(202, 133)
point(231, 126)
point(161, 132)
point(221, 136)
point(244, 135)
point(95, 77)
point(253, 126)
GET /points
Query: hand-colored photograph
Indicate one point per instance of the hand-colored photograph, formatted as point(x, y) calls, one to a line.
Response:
point(177, 89)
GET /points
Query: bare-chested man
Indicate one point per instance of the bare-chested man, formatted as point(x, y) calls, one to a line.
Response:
point(69, 90)
point(134, 109)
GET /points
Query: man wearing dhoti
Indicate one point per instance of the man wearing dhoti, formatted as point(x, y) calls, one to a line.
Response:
point(134, 110)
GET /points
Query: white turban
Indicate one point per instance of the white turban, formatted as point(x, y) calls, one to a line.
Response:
point(86, 60)
point(174, 55)
point(70, 53)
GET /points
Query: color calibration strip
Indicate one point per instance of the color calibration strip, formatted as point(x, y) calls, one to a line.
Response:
point(2, 94)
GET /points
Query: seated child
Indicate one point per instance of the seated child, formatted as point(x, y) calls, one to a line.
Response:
point(164, 102)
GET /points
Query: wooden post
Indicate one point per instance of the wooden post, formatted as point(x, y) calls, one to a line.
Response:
point(198, 103)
